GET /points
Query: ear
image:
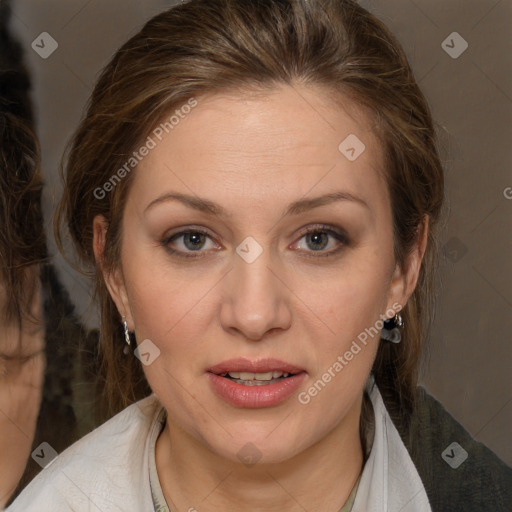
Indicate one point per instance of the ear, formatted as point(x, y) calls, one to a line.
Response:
point(404, 280)
point(114, 279)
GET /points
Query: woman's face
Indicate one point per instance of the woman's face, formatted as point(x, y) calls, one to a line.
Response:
point(254, 243)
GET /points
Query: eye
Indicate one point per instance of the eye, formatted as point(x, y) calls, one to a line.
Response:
point(319, 241)
point(323, 240)
point(189, 241)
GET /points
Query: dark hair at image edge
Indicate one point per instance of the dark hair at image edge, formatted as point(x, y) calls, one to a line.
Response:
point(22, 239)
point(207, 46)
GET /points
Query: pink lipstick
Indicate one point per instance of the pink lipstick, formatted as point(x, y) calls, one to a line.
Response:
point(254, 384)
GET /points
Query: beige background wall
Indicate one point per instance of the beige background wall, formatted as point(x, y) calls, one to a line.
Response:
point(471, 98)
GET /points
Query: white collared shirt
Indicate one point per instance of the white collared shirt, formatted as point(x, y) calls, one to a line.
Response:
point(390, 481)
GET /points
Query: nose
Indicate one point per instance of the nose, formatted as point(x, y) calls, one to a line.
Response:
point(255, 302)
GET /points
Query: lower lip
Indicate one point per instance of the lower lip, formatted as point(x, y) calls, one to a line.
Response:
point(255, 397)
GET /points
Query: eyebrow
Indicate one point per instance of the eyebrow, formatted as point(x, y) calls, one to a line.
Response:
point(295, 208)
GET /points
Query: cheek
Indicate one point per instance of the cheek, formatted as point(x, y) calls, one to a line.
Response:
point(162, 308)
point(156, 292)
point(349, 304)
point(169, 307)
point(349, 297)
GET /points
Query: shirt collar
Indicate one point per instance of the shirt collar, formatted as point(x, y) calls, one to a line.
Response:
point(389, 480)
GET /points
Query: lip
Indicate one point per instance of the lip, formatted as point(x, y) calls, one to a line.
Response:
point(254, 397)
point(260, 366)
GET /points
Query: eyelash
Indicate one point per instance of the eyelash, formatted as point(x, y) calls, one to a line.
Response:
point(340, 236)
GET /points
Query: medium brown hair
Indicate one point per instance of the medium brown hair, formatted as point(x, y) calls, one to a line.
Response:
point(22, 237)
point(205, 46)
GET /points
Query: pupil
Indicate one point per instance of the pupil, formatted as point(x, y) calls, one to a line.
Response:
point(317, 238)
point(196, 240)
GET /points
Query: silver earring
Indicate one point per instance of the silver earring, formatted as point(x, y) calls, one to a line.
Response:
point(129, 337)
point(390, 330)
point(126, 332)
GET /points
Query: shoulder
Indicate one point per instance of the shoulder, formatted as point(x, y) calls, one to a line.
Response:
point(105, 470)
point(458, 472)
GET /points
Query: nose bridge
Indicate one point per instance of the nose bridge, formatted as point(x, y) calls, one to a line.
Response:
point(254, 299)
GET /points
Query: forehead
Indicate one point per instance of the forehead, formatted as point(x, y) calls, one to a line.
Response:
point(262, 146)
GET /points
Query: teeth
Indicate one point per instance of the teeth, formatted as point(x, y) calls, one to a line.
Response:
point(263, 376)
point(257, 376)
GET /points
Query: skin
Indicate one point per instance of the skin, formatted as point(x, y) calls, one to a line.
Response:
point(254, 154)
point(21, 381)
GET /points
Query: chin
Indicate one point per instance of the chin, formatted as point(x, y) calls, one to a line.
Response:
point(252, 446)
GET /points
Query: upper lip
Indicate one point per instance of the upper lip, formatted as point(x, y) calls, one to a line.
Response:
point(259, 366)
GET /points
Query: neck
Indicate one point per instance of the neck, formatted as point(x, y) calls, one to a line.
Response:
point(318, 479)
